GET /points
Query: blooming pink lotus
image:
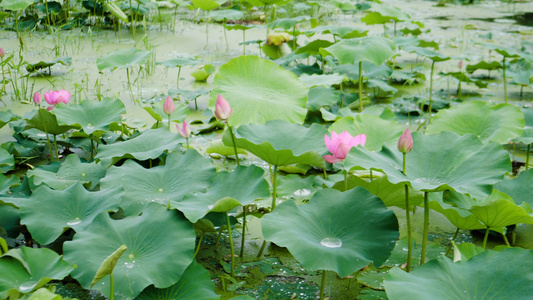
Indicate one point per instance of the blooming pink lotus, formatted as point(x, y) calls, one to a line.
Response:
point(340, 144)
point(169, 106)
point(55, 97)
point(222, 109)
point(184, 131)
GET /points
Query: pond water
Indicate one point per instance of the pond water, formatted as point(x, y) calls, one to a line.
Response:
point(458, 29)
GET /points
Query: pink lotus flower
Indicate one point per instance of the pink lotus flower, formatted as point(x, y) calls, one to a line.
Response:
point(37, 98)
point(222, 109)
point(169, 107)
point(184, 131)
point(2, 53)
point(405, 143)
point(55, 97)
point(340, 145)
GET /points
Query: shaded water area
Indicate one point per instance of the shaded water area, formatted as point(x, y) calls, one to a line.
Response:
point(458, 29)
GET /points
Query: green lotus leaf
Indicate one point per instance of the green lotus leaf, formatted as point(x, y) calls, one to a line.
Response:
point(274, 143)
point(91, 115)
point(228, 14)
point(16, 194)
point(295, 186)
point(123, 58)
point(202, 73)
point(457, 213)
point(158, 113)
point(378, 131)
point(372, 49)
point(179, 62)
point(167, 185)
point(312, 48)
point(218, 147)
point(333, 228)
point(226, 191)
point(484, 276)
point(522, 77)
point(399, 255)
point(194, 284)
point(373, 18)
point(325, 80)
point(46, 121)
point(149, 145)
point(462, 77)
point(6, 117)
point(71, 171)
point(499, 210)
point(66, 61)
point(258, 90)
point(15, 4)
point(287, 23)
point(434, 56)
point(48, 212)
point(439, 162)
point(320, 96)
point(390, 11)
point(499, 123)
point(160, 246)
point(7, 161)
point(527, 134)
point(207, 4)
point(505, 51)
point(483, 65)
point(27, 269)
point(518, 188)
point(340, 31)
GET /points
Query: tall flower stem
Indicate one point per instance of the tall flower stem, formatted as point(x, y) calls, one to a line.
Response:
point(234, 145)
point(199, 243)
point(504, 80)
point(407, 221)
point(129, 84)
point(243, 230)
point(426, 229)
point(111, 287)
point(273, 176)
point(360, 86)
point(55, 146)
point(322, 284)
point(452, 242)
point(527, 156)
point(47, 136)
point(486, 238)
point(431, 89)
point(169, 124)
point(345, 180)
point(231, 246)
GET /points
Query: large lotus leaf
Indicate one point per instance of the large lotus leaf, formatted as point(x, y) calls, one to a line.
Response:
point(378, 131)
point(71, 171)
point(376, 18)
point(91, 115)
point(505, 51)
point(499, 210)
point(194, 284)
point(6, 117)
point(15, 4)
point(46, 121)
point(312, 48)
point(341, 232)
point(207, 4)
point(49, 212)
point(320, 96)
point(287, 23)
point(274, 142)
point(439, 162)
point(459, 216)
point(167, 185)
point(26, 269)
point(373, 49)
point(228, 14)
point(226, 191)
point(527, 134)
point(160, 246)
point(519, 188)
point(325, 80)
point(390, 11)
point(123, 58)
point(7, 182)
point(7, 160)
point(149, 145)
point(434, 56)
point(484, 276)
point(499, 123)
point(483, 65)
point(16, 194)
point(258, 90)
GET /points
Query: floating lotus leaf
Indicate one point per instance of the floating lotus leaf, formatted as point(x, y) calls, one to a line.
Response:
point(195, 283)
point(346, 231)
point(378, 131)
point(499, 123)
point(484, 276)
point(372, 49)
point(166, 185)
point(27, 269)
point(519, 188)
point(226, 191)
point(123, 58)
point(439, 162)
point(274, 142)
point(42, 118)
point(71, 171)
point(48, 212)
point(91, 115)
point(160, 246)
point(149, 145)
point(258, 90)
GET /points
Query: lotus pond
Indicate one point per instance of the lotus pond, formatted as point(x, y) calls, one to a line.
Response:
point(266, 149)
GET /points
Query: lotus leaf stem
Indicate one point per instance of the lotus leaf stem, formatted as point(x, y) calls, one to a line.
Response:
point(322, 284)
point(199, 243)
point(129, 84)
point(274, 186)
point(168, 122)
point(132, 23)
point(234, 145)
point(231, 246)
point(111, 286)
point(55, 146)
point(218, 237)
point(47, 136)
point(426, 229)
point(371, 176)
point(178, 80)
point(262, 248)
point(453, 241)
point(243, 230)
point(226, 35)
point(504, 80)
point(486, 238)
point(345, 180)
point(506, 240)
point(244, 42)
point(431, 89)
point(527, 156)
point(407, 220)
point(360, 86)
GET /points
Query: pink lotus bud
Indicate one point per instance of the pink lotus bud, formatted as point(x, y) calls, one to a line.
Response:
point(405, 143)
point(169, 107)
point(184, 131)
point(2, 53)
point(460, 64)
point(37, 98)
point(340, 145)
point(222, 109)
